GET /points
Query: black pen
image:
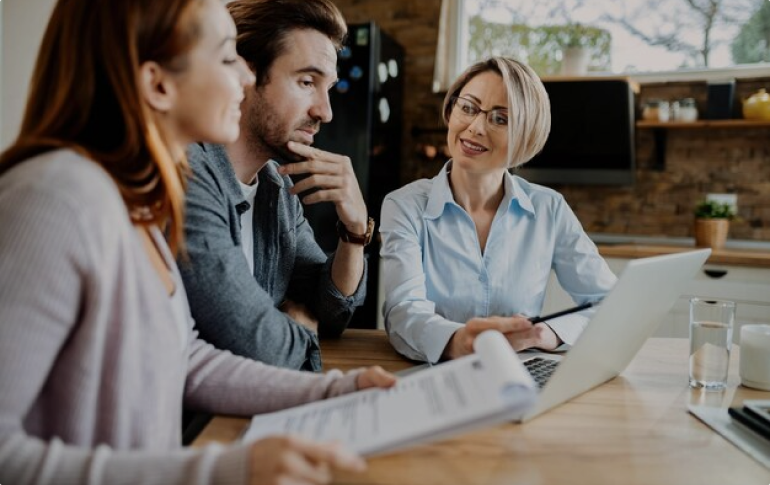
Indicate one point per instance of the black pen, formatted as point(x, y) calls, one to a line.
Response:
point(563, 312)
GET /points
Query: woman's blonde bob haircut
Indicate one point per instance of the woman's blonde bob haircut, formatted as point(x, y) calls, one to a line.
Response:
point(529, 108)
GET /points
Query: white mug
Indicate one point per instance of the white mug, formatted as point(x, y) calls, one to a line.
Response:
point(755, 356)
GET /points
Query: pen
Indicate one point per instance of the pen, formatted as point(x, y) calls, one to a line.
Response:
point(563, 312)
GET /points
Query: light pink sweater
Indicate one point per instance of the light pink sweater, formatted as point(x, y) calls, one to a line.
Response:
point(93, 369)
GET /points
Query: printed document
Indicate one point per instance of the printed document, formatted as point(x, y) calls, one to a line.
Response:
point(488, 387)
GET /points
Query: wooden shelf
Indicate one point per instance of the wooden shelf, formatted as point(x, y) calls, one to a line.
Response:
point(642, 124)
point(660, 132)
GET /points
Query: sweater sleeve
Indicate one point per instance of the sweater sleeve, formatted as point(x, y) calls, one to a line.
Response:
point(27, 460)
point(47, 255)
point(223, 383)
point(231, 310)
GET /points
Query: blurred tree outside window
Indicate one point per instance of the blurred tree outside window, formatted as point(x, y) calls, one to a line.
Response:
point(622, 36)
point(752, 44)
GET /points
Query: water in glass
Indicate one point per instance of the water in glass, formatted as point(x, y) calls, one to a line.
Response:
point(709, 354)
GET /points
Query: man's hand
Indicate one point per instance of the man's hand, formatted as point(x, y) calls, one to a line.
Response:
point(333, 177)
point(300, 314)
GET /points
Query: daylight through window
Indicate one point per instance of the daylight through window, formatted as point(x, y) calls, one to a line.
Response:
point(620, 36)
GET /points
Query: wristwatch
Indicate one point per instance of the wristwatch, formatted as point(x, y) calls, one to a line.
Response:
point(350, 237)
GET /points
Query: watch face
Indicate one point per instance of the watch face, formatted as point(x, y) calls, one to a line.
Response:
point(369, 230)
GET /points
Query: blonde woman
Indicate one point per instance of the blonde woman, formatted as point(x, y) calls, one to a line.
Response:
point(472, 248)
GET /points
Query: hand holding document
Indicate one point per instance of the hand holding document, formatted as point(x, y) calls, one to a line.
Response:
point(488, 387)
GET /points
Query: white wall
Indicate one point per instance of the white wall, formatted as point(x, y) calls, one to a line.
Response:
point(23, 23)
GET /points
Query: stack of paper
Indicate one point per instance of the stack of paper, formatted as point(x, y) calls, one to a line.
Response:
point(486, 388)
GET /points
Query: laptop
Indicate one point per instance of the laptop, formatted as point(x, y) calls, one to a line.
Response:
point(645, 291)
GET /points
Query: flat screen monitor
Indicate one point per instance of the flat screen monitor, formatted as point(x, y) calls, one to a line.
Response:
point(592, 135)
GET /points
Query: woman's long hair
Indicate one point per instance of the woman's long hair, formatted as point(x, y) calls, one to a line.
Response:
point(84, 96)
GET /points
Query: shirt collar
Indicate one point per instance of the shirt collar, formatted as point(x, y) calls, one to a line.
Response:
point(217, 157)
point(270, 173)
point(515, 193)
point(441, 194)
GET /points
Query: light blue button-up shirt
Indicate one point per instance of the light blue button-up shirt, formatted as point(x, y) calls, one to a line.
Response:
point(436, 278)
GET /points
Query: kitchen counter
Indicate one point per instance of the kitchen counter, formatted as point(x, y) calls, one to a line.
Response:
point(740, 257)
point(737, 252)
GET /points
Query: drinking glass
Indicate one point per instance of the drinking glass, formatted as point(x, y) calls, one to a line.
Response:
point(711, 336)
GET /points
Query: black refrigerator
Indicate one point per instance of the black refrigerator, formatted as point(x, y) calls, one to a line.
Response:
point(366, 126)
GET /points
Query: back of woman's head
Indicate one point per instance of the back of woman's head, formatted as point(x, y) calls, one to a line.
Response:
point(85, 95)
point(529, 120)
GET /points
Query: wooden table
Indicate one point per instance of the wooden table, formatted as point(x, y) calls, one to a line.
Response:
point(634, 429)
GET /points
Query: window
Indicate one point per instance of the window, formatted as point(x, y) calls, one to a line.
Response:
point(632, 37)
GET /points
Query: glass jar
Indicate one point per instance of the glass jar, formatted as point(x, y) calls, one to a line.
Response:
point(688, 110)
point(656, 110)
point(674, 110)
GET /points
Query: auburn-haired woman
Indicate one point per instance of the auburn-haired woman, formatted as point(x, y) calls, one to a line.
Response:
point(97, 351)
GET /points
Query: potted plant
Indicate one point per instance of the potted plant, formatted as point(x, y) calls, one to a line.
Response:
point(578, 43)
point(712, 222)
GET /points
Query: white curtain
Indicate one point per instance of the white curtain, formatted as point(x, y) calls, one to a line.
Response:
point(452, 48)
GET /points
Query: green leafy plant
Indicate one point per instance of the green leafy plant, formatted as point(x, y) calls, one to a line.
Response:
point(711, 209)
point(539, 46)
point(578, 35)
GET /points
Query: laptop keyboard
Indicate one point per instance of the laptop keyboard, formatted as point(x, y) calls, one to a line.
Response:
point(541, 369)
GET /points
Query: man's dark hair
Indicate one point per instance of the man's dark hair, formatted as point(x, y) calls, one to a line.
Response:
point(263, 27)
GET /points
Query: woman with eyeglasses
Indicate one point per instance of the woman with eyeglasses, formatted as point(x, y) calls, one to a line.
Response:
point(472, 248)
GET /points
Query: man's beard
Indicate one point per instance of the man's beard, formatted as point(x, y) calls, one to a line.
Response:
point(265, 133)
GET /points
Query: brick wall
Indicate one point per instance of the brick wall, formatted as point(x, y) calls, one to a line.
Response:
point(698, 161)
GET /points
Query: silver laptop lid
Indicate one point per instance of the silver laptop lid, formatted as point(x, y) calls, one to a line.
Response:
point(645, 291)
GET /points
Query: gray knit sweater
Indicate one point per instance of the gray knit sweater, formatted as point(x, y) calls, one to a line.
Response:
point(93, 370)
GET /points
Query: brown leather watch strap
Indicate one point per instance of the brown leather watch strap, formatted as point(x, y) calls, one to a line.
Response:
point(353, 238)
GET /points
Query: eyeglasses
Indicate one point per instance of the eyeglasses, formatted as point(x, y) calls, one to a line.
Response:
point(467, 111)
